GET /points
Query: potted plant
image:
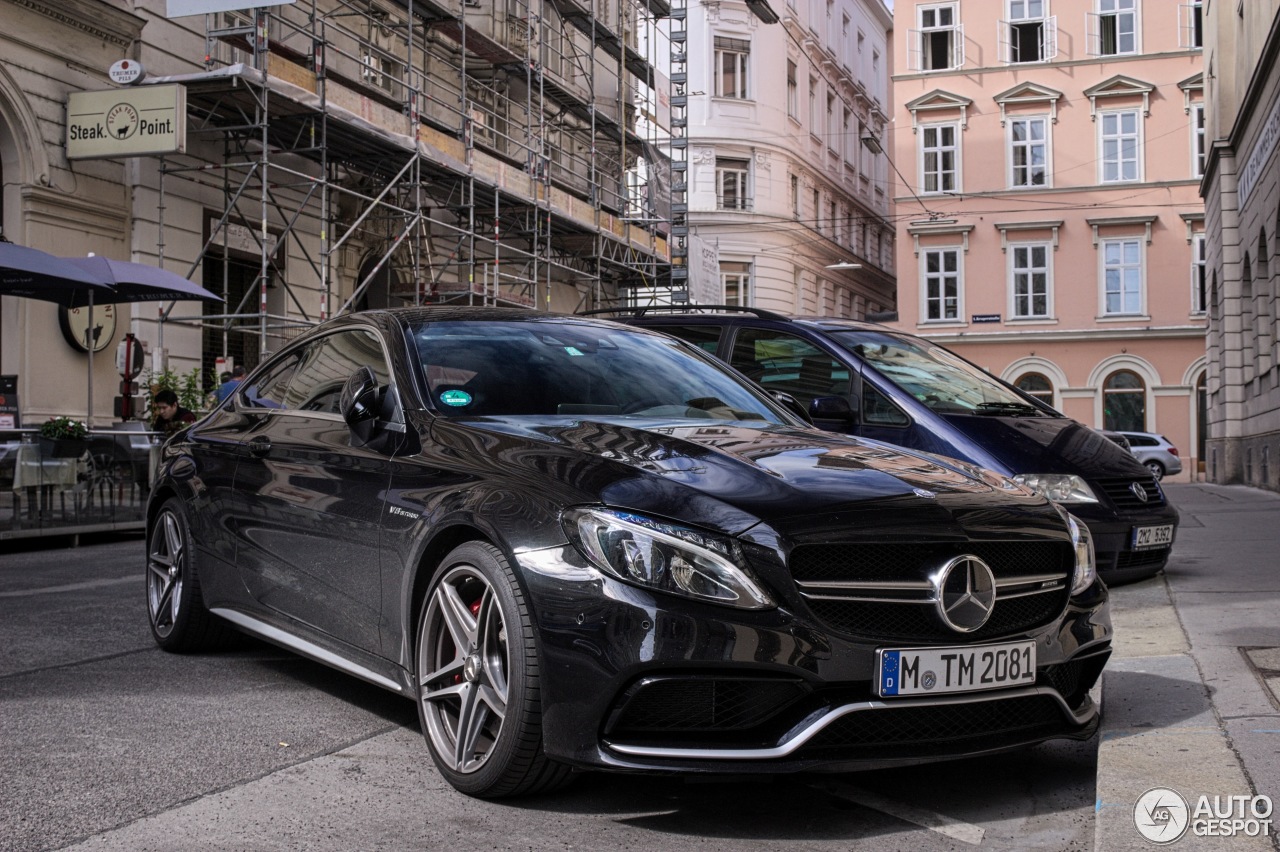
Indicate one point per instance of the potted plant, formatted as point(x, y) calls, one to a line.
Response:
point(63, 438)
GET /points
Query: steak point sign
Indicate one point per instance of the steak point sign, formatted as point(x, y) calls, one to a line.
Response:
point(127, 122)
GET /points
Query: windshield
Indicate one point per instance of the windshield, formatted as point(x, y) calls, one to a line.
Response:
point(580, 369)
point(938, 378)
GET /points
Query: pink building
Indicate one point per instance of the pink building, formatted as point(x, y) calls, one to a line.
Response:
point(1052, 230)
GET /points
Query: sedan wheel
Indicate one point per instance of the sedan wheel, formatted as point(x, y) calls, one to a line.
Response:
point(477, 674)
point(1157, 469)
point(179, 619)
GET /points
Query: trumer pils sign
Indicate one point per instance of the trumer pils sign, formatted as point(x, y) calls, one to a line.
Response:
point(127, 122)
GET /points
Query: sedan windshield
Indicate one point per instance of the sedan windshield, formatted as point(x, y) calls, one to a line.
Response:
point(938, 378)
point(483, 369)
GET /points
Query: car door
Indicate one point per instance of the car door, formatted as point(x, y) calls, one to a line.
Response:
point(308, 547)
point(782, 361)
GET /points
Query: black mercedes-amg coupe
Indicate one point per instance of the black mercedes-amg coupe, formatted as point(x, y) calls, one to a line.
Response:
point(576, 544)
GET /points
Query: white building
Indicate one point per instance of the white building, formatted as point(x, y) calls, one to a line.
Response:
point(781, 187)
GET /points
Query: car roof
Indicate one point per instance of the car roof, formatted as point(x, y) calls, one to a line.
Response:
point(728, 314)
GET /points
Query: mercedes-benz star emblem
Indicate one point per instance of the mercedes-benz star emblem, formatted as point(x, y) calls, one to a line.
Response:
point(1139, 491)
point(964, 591)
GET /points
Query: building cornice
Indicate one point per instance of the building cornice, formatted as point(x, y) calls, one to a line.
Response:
point(1021, 335)
point(967, 71)
point(91, 17)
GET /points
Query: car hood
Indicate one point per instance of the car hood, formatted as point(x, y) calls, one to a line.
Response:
point(1047, 445)
point(731, 476)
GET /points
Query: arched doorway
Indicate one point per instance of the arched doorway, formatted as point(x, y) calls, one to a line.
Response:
point(1124, 402)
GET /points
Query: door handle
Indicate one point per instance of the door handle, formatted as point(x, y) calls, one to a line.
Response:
point(259, 447)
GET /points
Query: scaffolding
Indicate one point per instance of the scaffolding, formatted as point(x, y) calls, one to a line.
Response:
point(492, 152)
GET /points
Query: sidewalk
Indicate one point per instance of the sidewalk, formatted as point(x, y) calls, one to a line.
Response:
point(1192, 694)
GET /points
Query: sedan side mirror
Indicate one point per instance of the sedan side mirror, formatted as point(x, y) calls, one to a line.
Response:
point(359, 404)
point(790, 403)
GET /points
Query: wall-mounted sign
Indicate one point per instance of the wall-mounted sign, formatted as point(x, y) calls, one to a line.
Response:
point(984, 318)
point(240, 238)
point(126, 71)
point(75, 327)
point(182, 8)
point(127, 122)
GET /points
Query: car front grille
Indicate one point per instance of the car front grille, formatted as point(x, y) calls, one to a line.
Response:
point(939, 729)
point(1120, 492)
point(882, 591)
point(703, 704)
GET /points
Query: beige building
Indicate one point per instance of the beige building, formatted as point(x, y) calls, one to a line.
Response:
point(338, 155)
point(1242, 216)
point(1050, 228)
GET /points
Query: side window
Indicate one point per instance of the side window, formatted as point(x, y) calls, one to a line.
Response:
point(705, 337)
point(783, 362)
point(326, 365)
point(267, 389)
point(879, 410)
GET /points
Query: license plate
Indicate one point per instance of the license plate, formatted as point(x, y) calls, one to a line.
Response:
point(934, 671)
point(1145, 538)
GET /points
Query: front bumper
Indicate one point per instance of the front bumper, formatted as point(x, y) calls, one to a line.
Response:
point(1113, 538)
point(647, 682)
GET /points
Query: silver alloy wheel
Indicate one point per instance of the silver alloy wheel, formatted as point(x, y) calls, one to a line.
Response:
point(166, 565)
point(463, 652)
point(1157, 469)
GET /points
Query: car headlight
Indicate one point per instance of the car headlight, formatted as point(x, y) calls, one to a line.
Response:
point(1058, 487)
point(664, 557)
point(1086, 562)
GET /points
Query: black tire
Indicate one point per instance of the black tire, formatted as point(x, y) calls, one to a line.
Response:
point(476, 667)
point(1157, 469)
point(180, 621)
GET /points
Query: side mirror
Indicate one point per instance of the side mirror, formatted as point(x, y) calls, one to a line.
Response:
point(359, 404)
point(831, 408)
point(790, 403)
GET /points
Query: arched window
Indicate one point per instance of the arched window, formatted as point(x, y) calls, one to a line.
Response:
point(1036, 385)
point(1247, 339)
point(1124, 402)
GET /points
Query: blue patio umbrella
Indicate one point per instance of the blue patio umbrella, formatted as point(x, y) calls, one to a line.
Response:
point(33, 274)
point(138, 282)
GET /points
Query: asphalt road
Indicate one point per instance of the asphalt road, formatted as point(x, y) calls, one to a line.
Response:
point(108, 743)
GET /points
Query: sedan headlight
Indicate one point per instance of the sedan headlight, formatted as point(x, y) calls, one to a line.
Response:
point(1086, 562)
point(664, 557)
point(1058, 487)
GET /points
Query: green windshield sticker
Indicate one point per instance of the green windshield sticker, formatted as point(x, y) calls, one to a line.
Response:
point(455, 398)
point(573, 351)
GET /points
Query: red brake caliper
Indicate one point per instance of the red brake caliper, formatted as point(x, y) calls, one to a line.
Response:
point(475, 610)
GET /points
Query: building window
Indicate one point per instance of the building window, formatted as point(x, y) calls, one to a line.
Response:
point(732, 56)
point(817, 209)
point(844, 41)
point(1029, 35)
point(941, 284)
point(1120, 146)
point(1114, 28)
point(1030, 274)
point(1124, 402)
point(735, 276)
point(795, 196)
point(1191, 24)
point(832, 142)
point(939, 42)
point(1028, 151)
point(1198, 269)
point(1197, 140)
point(847, 139)
point(793, 91)
point(732, 190)
point(813, 105)
point(1034, 384)
point(1122, 277)
point(939, 158)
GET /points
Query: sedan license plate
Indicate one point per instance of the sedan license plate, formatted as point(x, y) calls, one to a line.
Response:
point(933, 671)
point(1145, 538)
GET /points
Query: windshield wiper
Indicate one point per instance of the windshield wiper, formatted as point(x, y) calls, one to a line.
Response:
point(1006, 409)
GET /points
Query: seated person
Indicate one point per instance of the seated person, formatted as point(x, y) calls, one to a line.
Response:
point(170, 416)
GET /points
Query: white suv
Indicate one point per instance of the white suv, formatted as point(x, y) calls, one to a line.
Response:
point(1156, 452)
